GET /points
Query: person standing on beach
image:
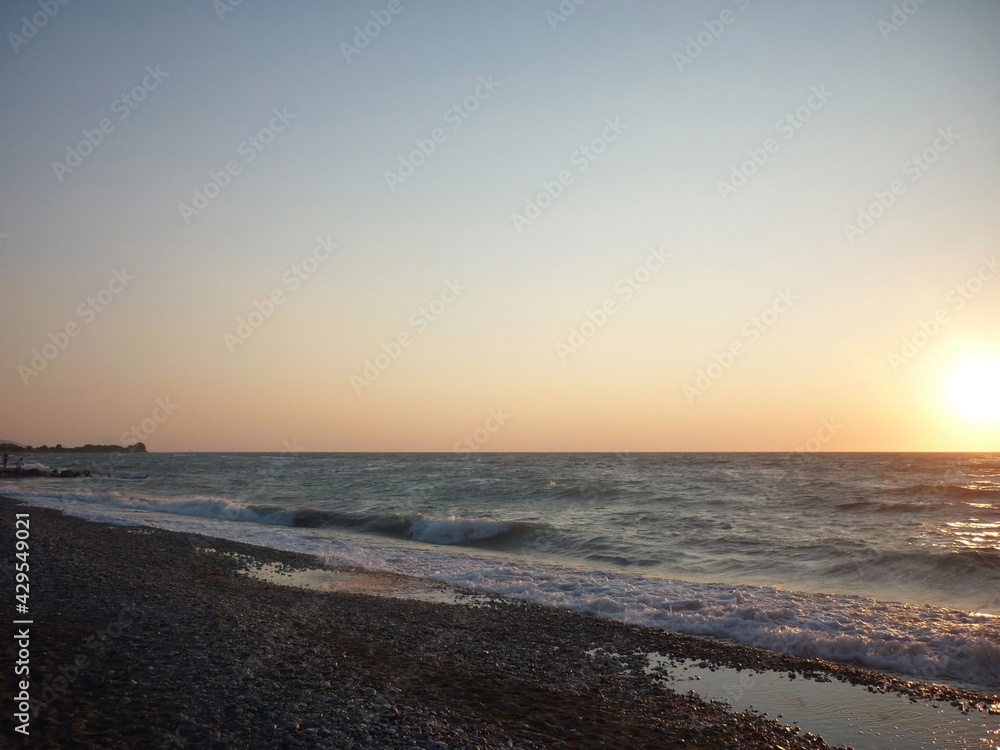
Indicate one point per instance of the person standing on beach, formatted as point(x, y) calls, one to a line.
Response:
point(5, 457)
point(20, 466)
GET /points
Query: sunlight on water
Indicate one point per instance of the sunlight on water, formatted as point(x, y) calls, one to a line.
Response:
point(976, 535)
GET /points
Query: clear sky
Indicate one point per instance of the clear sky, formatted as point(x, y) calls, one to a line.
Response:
point(401, 225)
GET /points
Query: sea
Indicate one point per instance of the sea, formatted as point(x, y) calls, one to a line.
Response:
point(887, 561)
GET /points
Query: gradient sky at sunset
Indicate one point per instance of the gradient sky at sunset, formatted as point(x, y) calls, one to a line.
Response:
point(772, 325)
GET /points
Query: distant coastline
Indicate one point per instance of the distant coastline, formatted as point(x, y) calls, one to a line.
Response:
point(88, 448)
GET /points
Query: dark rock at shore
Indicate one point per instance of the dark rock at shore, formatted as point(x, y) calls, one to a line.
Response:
point(88, 448)
point(25, 473)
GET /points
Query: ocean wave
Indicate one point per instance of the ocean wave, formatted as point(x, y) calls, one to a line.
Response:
point(922, 641)
point(908, 507)
point(856, 505)
point(984, 463)
point(943, 490)
point(417, 527)
point(454, 530)
point(898, 507)
point(562, 489)
point(965, 566)
point(944, 497)
point(118, 474)
point(191, 505)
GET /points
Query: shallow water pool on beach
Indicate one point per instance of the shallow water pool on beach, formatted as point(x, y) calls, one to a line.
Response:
point(842, 714)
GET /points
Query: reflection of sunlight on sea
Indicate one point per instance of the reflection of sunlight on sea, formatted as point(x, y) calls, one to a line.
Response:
point(976, 535)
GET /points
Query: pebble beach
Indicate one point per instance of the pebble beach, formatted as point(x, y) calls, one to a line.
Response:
point(144, 638)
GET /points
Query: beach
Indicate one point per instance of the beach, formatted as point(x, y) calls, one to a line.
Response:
point(500, 375)
point(882, 561)
point(149, 638)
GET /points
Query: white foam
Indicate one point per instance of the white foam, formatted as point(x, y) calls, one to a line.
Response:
point(921, 641)
point(191, 505)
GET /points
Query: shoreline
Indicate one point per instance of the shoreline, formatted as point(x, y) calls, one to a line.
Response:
point(181, 646)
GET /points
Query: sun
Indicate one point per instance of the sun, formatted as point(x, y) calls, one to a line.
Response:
point(975, 389)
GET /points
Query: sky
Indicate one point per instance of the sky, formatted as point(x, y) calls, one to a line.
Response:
point(405, 225)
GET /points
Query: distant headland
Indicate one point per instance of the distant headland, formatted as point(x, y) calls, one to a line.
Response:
point(9, 447)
